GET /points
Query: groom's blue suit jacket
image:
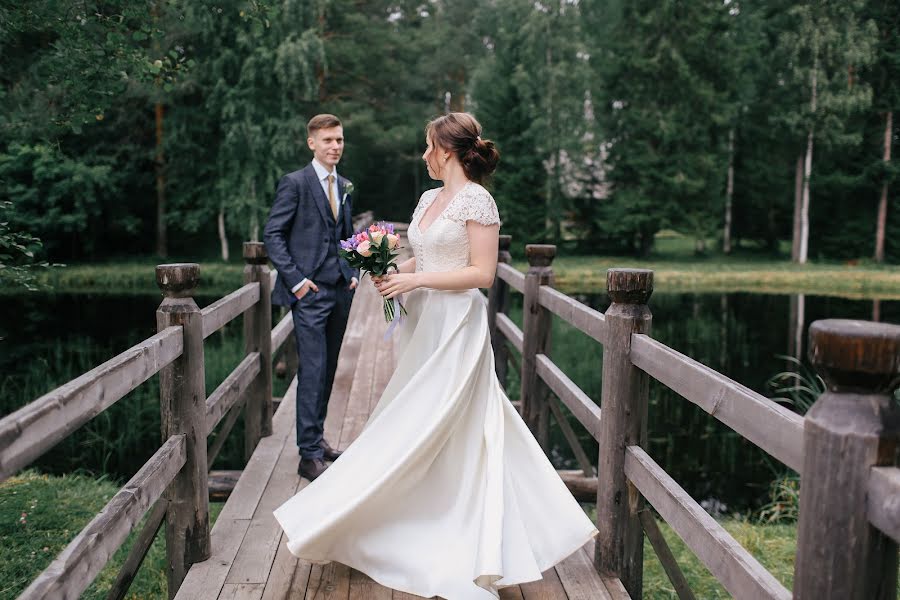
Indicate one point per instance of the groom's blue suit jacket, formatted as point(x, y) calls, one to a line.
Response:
point(301, 232)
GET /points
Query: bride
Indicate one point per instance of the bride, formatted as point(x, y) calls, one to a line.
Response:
point(445, 492)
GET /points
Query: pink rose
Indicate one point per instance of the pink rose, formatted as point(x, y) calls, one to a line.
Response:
point(364, 248)
point(393, 240)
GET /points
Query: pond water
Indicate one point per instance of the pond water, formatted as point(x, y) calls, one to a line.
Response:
point(48, 339)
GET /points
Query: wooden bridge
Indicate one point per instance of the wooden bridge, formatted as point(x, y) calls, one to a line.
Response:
point(846, 448)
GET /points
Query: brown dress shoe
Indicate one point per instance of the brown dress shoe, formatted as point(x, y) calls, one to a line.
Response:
point(329, 452)
point(311, 467)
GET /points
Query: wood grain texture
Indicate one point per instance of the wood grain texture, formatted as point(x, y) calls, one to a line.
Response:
point(225, 309)
point(510, 331)
point(512, 276)
point(282, 331)
point(32, 430)
point(73, 570)
point(536, 329)
point(329, 582)
point(138, 551)
point(584, 318)
point(770, 426)
point(498, 303)
point(231, 390)
point(735, 568)
point(624, 401)
point(585, 410)
point(579, 578)
point(258, 339)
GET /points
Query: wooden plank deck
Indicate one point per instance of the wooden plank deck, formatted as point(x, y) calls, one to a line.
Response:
point(250, 559)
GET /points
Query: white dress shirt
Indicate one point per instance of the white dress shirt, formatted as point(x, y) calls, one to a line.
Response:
point(322, 173)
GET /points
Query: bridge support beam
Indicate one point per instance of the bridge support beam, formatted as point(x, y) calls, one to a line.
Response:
point(619, 551)
point(182, 395)
point(852, 427)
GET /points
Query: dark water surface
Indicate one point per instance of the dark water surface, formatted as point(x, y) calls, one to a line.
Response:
point(48, 339)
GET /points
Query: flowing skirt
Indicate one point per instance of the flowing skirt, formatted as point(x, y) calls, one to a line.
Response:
point(445, 492)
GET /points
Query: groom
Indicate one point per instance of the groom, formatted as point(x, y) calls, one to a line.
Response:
point(310, 216)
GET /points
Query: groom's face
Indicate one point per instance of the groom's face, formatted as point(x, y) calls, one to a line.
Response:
point(327, 145)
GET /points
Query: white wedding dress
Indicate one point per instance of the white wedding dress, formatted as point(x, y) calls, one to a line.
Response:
point(445, 492)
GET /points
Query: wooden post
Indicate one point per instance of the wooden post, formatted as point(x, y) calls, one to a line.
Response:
point(619, 551)
point(182, 394)
point(852, 427)
point(258, 338)
point(536, 322)
point(498, 302)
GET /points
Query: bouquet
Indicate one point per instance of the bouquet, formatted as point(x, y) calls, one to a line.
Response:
point(374, 250)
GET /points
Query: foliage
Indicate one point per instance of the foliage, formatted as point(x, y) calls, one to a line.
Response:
point(17, 248)
point(800, 386)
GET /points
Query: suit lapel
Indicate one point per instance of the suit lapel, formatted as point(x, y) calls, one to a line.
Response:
point(319, 197)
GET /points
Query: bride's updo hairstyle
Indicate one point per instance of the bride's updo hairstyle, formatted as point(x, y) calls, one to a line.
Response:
point(460, 133)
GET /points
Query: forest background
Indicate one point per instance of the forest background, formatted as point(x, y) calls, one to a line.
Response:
point(160, 127)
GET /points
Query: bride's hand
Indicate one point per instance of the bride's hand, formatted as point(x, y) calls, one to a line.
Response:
point(396, 284)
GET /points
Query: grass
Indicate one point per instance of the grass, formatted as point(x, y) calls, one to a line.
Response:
point(55, 509)
point(41, 514)
point(677, 268)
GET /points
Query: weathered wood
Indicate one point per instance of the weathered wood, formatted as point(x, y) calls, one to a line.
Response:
point(883, 500)
point(584, 489)
point(221, 484)
point(852, 427)
point(241, 591)
point(498, 303)
point(735, 568)
point(770, 426)
point(512, 276)
point(138, 551)
point(665, 556)
point(579, 578)
point(32, 430)
point(281, 333)
point(536, 325)
point(73, 570)
point(585, 410)
point(580, 455)
point(289, 576)
point(258, 338)
point(329, 582)
point(547, 588)
point(205, 579)
point(231, 390)
point(182, 391)
point(510, 331)
point(363, 587)
point(224, 310)
point(223, 433)
point(583, 318)
point(625, 390)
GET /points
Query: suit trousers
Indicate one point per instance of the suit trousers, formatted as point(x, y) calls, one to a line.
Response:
point(320, 320)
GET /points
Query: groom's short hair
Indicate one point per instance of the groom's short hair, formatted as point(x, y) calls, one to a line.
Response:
point(323, 121)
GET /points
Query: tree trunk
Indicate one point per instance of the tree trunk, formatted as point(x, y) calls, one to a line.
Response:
point(162, 241)
point(807, 168)
point(798, 195)
point(223, 239)
point(729, 195)
point(883, 201)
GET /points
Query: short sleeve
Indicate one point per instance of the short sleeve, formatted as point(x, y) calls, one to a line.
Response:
point(474, 204)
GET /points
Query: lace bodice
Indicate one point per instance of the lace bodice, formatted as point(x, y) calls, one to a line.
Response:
point(444, 245)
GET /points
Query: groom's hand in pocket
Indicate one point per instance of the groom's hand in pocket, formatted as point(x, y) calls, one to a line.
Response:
point(309, 285)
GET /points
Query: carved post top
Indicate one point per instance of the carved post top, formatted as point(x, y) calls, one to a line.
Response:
point(177, 280)
point(629, 286)
point(505, 242)
point(540, 255)
point(255, 253)
point(856, 356)
point(503, 254)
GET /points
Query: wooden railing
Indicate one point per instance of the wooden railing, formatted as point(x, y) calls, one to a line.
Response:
point(846, 448)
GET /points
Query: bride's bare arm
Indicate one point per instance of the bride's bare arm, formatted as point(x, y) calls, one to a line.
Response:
point(483, 240)
point(408, 266)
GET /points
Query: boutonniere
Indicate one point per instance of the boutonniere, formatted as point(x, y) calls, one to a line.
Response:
point(348, 189)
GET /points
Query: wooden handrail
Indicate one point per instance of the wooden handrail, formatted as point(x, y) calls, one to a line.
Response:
point(510, 331)
point(73, 570)
point(29, 432)
point(231, 390)
point(883, 500)
point(583, 318)
point(585, 410)
point(770, 426)
point(727, 560)
point(220, 312)
point(282, 331)
point(512, 276)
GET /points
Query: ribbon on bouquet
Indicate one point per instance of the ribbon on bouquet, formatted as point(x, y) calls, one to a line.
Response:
point(393, 312)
